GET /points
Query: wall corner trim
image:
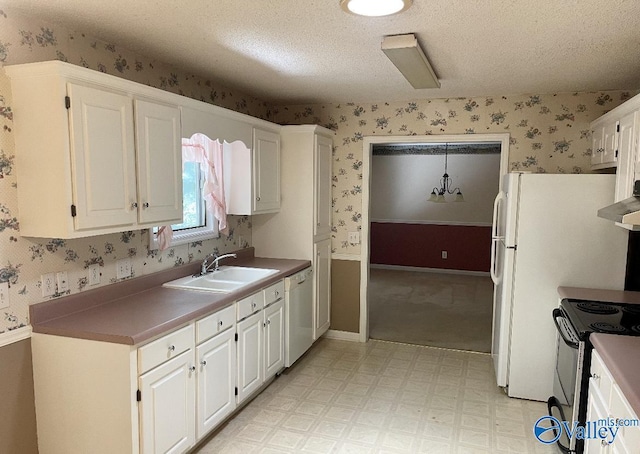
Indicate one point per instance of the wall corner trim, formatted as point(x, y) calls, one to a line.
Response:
point(342, 335)
point(16, 335)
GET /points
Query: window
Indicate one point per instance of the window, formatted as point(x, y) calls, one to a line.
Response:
point(198, 222)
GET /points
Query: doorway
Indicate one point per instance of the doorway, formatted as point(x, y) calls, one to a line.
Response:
point(403, 271)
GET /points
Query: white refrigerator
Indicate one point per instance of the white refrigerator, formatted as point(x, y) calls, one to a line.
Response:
point(546, 234)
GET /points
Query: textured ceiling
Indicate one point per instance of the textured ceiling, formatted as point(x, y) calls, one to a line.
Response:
point(310, 51)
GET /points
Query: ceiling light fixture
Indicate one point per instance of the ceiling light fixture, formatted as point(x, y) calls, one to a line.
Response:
point(405, 52)
point(375, 8)
point(437, 194)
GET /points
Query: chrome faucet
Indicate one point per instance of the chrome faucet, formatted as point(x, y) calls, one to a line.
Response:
point(206, 265)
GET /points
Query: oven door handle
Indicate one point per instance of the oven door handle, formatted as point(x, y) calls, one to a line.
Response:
point(557, 313)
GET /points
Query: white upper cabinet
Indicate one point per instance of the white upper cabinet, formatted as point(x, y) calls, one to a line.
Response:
point(78, 142)
point(159, 162)
point(103, 166)
point(604, 139)
point(266, 171)
point(323, 150)
point(252, 175)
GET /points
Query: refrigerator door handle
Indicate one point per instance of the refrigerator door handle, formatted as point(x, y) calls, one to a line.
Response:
point(496, 206)
point(494, 276)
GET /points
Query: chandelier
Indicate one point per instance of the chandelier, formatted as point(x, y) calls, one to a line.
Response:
point(437, 194)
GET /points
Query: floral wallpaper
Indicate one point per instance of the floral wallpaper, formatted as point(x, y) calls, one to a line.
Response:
point(23, 260)
point(548, 133)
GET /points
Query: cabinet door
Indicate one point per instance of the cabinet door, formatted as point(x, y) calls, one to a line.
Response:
point(273, 339)
point(266, 171)
point(626, 157)
point(595, 411)
point(159, 158)
point(322, 287)
point(610, 142)
point(250, 355)
point(322, 187)
point(102, 158)
point(216, 381)
point(167, 408)
point(597, 145)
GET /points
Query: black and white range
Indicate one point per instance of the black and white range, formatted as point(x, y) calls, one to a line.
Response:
point(575, 321)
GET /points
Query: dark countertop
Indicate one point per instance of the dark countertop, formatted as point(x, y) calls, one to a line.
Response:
point(136, 310)
point(596, 294)
point(621, 355)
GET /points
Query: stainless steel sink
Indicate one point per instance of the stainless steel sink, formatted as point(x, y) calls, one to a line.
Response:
point(225, 280)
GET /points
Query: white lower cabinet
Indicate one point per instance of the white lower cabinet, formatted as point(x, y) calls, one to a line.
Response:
point(607, 403)
point(216, 400)
point(322, 288)
point(273, 339)
point(167, 408)
point(250, 355)
point(160, 397)
point(260, 341)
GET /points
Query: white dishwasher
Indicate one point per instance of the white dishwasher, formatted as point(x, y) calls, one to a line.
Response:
point(298, 303)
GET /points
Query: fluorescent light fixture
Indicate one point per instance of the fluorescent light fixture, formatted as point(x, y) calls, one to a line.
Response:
point(405, 52)
point(375, 8)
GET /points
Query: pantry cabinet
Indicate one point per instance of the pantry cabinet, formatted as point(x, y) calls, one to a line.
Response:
point(103, 151)
point(302, 227)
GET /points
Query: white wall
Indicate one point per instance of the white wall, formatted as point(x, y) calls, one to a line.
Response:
point(401, 185)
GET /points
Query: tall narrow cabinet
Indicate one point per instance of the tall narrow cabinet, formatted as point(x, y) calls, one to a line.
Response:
point(302, 227)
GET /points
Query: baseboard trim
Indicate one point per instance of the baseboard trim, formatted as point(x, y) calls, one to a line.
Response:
point(15, 335)
point(428, 270)
point(342, 335)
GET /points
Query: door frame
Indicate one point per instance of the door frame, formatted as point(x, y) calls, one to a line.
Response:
point(367, 147)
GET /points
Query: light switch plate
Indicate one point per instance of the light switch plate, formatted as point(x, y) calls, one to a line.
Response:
point(354, 238)
point(4, 295)
point(48, 284)
point(63, 281)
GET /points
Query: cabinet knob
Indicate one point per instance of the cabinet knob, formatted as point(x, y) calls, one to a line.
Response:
point(192, 369)
point(277, 293)
point(145, 205)
point(172, 348)
point(268, 322)
point(264, 325)
point(220, 323)
point(203, 363)
point(318, 224)
point(253, 305)
point(134, 205)
point(595, 376)
point(604, 442)
point(258, 199)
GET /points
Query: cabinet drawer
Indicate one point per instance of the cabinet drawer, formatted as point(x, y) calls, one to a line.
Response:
point(274, 293)
point(250, 304)
point(601, 377)
point(165, 348)
point(215, 323)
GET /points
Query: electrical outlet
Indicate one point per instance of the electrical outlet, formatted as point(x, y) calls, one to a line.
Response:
point(63, 281)
point(4, 295)
point(48, 284)
point(354, 237)
point(123, 268)
point(94, 274)
point(240, 240)
point(444, 254)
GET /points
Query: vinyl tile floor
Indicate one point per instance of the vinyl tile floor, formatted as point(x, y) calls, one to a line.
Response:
point(383, 397)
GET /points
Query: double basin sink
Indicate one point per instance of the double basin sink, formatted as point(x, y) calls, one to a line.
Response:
point(224, 280)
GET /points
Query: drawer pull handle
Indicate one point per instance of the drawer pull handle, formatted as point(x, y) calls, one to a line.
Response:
point(604, 442)
point(203, 363)
point(264, 325)
point(253, 305)
point(220, 323)
point(192, 369)
point(172, 348)
point(277, 293)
